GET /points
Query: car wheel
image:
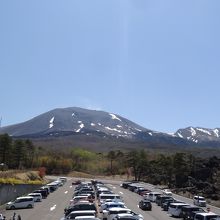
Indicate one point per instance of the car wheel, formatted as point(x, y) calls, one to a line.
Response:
point(29, 206)
point(12, 207)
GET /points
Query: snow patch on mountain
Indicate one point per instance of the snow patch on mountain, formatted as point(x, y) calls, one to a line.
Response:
point(180, 135)
point(216, 132)
point(92, 124)
point(193, 131)
point(113, 129)
point(51, 124)
point(80, 127)
point(119, 126)
point(150, 133)
point(114, 117)
point(73, 114)
point(204, 131)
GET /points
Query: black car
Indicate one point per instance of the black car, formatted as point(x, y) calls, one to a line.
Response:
point(188, 212)
point(165, 205)
point(80, 207)
point(145, 205)
point(161, 198)
point(43, 192)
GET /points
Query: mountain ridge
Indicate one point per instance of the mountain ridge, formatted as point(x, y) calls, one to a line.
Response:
point(76, 120)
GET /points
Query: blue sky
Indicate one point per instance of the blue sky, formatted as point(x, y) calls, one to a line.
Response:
point(154, 62)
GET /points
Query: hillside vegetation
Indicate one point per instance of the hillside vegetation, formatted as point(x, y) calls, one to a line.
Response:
point(180, 170)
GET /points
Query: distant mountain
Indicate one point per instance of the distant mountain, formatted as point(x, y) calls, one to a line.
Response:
point(80, 125)
point(200, 136)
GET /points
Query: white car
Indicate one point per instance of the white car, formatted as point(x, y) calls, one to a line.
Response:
point(128, 216)
point(167, 192)
point(2, 217)
point(74, 214)
point(199, 201)
point(21, 202)
point(206, 216)
point(37, 196)
point(104, 209)
point(175, 209)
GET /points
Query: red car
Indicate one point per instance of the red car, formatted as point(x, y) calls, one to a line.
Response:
point(77, 182)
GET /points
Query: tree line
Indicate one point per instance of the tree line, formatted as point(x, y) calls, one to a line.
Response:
point(178, 170)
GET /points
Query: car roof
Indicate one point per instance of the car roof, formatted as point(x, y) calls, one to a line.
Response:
point(206, 213)
point(179, 203)
point(118, 209)
point(25, 197)
point(84, 211)
point(114, 203)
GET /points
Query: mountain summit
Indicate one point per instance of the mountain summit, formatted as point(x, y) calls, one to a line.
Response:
point(84, 123)
point(75, 120)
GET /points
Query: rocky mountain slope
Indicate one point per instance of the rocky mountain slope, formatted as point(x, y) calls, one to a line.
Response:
point(74, 121)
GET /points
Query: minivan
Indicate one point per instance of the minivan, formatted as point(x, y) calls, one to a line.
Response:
point(206, 216)
point(109, 197)
point(199, 201)
point(153, 195)
point(175, 209)
point(21, 202)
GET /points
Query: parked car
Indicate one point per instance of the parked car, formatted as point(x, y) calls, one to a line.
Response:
point(125, 185)
point(37, 196)
point(80, 207)
point(145, 205)
point(122, 211)
point(206, 216)
point(43, 192)
point(161, 198)
point(199, 201)
point(166, 204)
point(74, 214)
point(2, 217)
point(21, 202)
point(175, 209)
point(76, 182)
point(104, 208)
point(167, 192)
point(188, 212)
point(109, 197)
point(63, 179)
point(125, 216)
point(153, 195)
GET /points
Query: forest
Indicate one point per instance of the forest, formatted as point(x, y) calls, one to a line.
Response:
point(177, 170)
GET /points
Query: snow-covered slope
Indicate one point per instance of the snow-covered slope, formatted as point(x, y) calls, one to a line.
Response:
point(76, 120)
point(79, 121)
point(199, 135)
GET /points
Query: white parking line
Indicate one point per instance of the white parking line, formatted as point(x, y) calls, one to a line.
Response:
point(114, 187)
point(71, 186)
point(121, 193)
point(52, 208)
point(66, 192)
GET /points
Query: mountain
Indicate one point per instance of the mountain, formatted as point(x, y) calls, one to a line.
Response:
point(82, 127)
point(75, 120)
point(200, 136)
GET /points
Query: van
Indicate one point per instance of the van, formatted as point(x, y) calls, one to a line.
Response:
point(112, 212)
point(63, 179)
point(199, 201)
point(153, 195)
point(109, 197)
point(188, 212)
point(37, 196)
point(206, 216)
point(175, 209)
point(21, 202)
